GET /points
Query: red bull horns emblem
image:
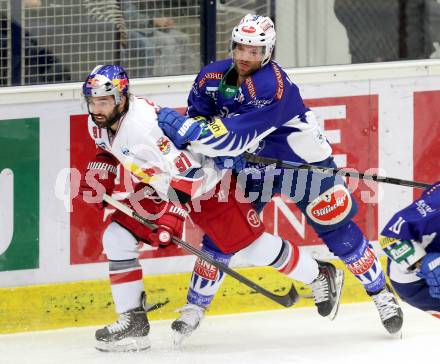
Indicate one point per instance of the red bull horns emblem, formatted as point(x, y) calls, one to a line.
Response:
point(164, 145)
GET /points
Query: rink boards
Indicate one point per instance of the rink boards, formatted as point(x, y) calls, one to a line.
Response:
point(52, 272)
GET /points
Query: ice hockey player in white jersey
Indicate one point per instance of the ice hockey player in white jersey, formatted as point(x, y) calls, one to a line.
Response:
point(171, 184)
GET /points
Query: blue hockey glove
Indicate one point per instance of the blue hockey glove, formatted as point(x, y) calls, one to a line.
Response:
point(180, 129)
point(430, 271)
point(235, 163)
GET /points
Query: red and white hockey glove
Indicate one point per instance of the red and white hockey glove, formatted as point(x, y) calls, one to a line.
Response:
point(98, 179)
point(169, 224)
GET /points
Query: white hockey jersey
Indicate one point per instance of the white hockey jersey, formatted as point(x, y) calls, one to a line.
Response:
point(144, 150)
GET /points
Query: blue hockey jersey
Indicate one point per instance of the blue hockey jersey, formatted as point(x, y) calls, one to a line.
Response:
point(411, 233)
point(265, 115)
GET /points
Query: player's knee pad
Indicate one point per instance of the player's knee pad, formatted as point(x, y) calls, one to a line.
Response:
point(263, 251)
point(119, 243)
point(206, 279)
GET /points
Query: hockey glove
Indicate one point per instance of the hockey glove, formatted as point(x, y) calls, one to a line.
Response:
point(430, 271)
point(180, 129)
point(237, 164)
point(169, 224)
point(98, 179)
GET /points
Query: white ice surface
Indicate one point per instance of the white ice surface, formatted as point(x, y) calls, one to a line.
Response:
point(293, 336)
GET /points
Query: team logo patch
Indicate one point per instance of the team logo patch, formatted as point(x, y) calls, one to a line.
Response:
point(364, 264)
point(253, 218)
point(331, 207)
point(205, 270)
point(164, 145)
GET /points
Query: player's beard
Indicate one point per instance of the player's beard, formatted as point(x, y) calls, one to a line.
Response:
point(245, 69)
point(108, 121)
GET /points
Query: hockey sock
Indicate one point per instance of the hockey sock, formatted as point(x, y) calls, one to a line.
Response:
point(350, 245)
point(206, 279)
point(284, 256)
point(126, 283)
point(295, 264)
point(365, 266)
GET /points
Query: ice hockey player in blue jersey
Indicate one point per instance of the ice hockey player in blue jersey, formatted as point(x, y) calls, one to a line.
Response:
point(411, 240)
point(248, 103)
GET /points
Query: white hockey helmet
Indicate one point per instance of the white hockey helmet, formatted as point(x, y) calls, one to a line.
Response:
point(255, 30)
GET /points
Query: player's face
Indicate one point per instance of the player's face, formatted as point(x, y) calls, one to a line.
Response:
point(104, 111)
point(247, 58)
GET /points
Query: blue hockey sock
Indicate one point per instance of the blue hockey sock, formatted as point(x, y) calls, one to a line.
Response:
point(350, 245)
point(365, 266)
point(206, 279)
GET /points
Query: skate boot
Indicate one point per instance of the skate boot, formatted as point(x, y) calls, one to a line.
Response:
point(129, 333)
point(189, 320)
point(327, 289)
point(389, 310)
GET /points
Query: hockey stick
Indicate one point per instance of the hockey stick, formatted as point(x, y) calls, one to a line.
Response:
point(286, 300)
point(334, 171)
point(154, 306)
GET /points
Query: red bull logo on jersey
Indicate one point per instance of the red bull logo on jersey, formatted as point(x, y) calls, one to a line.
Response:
point(164, 145)
point(331, 207)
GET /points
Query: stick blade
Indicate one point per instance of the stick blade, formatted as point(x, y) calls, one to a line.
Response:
point(289, 299)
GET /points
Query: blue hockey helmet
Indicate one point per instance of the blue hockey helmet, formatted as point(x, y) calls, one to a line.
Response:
point(108, 80)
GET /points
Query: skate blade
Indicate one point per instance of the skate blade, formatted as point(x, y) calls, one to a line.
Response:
point(339, 285)
point(397, 335)
point(125, 345)
point(178, 339)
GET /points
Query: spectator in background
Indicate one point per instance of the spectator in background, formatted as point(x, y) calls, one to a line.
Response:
point(32, 3)
point(40, 64)
point(154, 42)
point(390, 30)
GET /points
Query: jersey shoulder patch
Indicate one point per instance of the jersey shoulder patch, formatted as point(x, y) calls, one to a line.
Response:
point(212, 72)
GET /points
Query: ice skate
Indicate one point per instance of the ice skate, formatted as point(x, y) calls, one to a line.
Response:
point(129, 333)
point(327, 289)
point(389, 310)
point(189, 320)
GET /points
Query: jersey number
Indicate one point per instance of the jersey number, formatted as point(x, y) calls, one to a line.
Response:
point(182, 162)
point(397, 226)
